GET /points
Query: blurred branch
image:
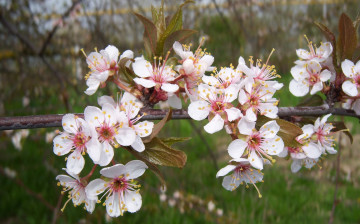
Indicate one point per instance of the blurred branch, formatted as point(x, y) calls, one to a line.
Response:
point(55, 28)
point(54, 120)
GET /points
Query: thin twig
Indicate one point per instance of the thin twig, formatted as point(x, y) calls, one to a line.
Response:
point(56, 213)
point(208, 148)
point(54, 120)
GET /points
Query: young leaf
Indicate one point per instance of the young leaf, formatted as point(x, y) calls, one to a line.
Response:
point(151, 166)
point(180, 35)
point(170, 141)
point(347, 37)
point(158, 127)
point(150, 34)
point(288, 131)
point(157, 152)
point(340, 126)
point(174, 25)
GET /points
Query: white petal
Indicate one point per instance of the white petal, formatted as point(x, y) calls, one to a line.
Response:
point(188, 66)
point(215, 125)
point(127, 54)
point(269, 110)
point(198, 110)
point(312, 150)
point(174, 101)
point(144, 128)
point(250, 115)
point(145, 82)
point(113, 171)
point(106, 99)
point(135, 169)
point(236, 148)
point(206, 61)
point(273, 146)
point(138, 145)
point(231, 93)
point(325, 118)
point(110, 114)
point(125, 136)
point(284, 153)
point(223, 171)
point(113, 206)
point(349, 88)
point(113, 53)
point(93, 148)
point(69, 123)
point(133, 201)
point(242, 97)
point(255, 161)
point(90, 205)
point(316, 88)
point(308, 131)
point(314, 67)
point(170, 88)
point(230, 183)
point(94, 188)
point(303, 54)
point(210, 80)
point(62, 145)
point(142, 68)
point(299, 72)
point(93, 115)
point(178, 49)
point(330, 150)
point(346, 67)
point(298, 88)
point(93, 84)
point(246, 127)
point(325, 75)
point(106, 155)
point(233, 114)
point(269, 129)
point(75, 162)
point(356, 106)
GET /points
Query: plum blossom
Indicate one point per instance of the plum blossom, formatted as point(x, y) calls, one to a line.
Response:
point(260, 74)
point(353, 104)
point(308, 75)
point(319, 54)
point(224, 78)
point(158, 75)
point(77, 139)
point(256, 144)
point(130, 106)
point(216, 104)
point(352, 72)
point(121, 190)
point(193, 65)
point(102, 65)
point(258, 100)
point(110, 129)
point(242, 172)
point(299, 158)
point(322, 133)
point(76, 189)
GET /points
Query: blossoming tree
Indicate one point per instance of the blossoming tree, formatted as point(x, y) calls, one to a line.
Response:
point(239, 100)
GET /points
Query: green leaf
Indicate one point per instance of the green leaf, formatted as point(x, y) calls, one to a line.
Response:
point(311, 100)
point(288, 131)
point(170, 141)
point(330, 37)
point(180, 36)
point(340, 126)
point(174, 25)
point(150, 35)
point(151, 166)
point(157, 152)
point(157, 127)
point(347, 37)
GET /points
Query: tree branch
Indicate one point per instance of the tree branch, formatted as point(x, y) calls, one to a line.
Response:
point(54, 120)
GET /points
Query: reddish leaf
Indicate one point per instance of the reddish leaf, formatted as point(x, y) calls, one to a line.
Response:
point(347, 37)
point(150, 34)
point(158, 127)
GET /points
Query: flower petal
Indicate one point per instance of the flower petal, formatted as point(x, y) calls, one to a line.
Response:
point(316, 88)
point(138, 144)
point(199, 110)
point(349, 88)
point(296, 165)
point(312, 150)
point(236, 148)
point(133, 201)
point(94, 188)
point(113, 171)
point(245, 127)
point(75, 162)
point(107, 154)
point(62, 145)
point(93, 115)
point(225, 170)
point(106, 99)
point(255, 161)
point(125, 136)
point(269, 129)
point(69, 123)
point(135, 169)
point(170, 88)
point(273, 146)
point(93, 148)
point(346, 67)
point(233, 113)
point(144, 128)
point(142, 68)
point(230, 183)
point(298, 88)
point(215, 125)
point(145, 82)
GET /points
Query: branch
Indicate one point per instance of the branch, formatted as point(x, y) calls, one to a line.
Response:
point(54, 120)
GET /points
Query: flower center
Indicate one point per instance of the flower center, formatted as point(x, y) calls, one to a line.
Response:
point(254, 141)
point(79, 140)
point(314, 78)
point(106, 133)
point(119, 184)
point(218, 106)
point(294, 150)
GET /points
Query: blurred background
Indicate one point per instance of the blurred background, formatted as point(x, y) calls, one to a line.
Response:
point(42, 72)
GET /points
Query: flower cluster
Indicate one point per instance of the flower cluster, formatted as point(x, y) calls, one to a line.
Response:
point(351, 85)
point(312, 70)
point(315, 141)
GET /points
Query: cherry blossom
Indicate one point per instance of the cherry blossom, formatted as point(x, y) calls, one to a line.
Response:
point(353, 104)
point(315, 54)
point(217, 104)
point(224, 78)
point(76, 189)
point(77, 139)
point(158, 75)
point(256, 144)
point(193, 65)
point(351, 71)
point(242, 172)
point(110, 129)
point(306, 76)
point(322, 132)
point(131, 107)
point(299, 158)
point(121, 190)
